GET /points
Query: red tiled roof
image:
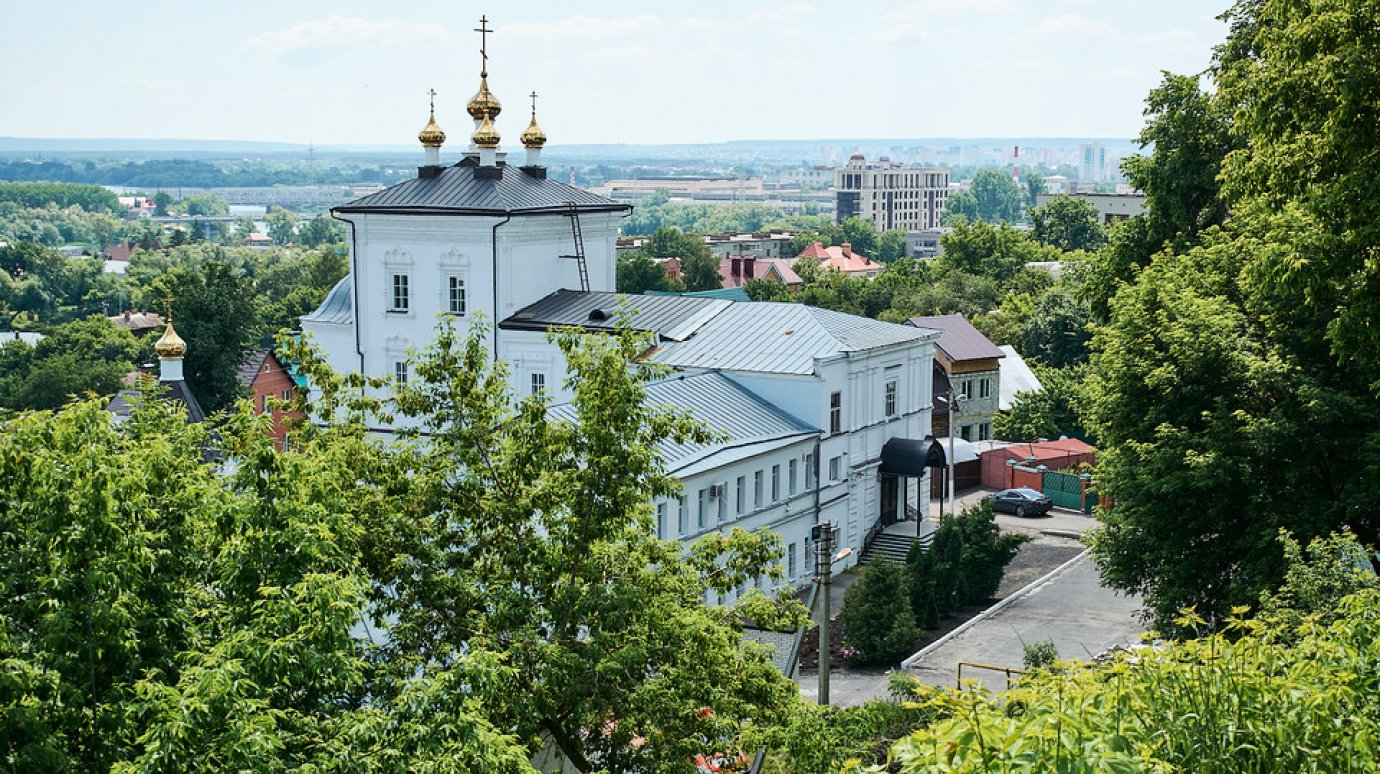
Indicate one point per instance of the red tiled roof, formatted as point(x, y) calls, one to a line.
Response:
point(841, 257)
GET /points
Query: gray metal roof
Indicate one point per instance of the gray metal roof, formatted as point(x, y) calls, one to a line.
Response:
point(338, 307)
point(457, 190)
point(670, 317)
point(741, 418)
point(959, 339)
point(781, 338)
point(707, 333)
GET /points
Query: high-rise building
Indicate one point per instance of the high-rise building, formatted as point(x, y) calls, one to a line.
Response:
point(1092, 161)
point(890, 195)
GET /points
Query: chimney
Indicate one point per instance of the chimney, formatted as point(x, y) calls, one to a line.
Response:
point(847, 249)
point(737, 269)
point(749, 265)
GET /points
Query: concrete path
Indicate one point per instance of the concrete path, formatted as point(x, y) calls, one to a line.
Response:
point(1072, 608)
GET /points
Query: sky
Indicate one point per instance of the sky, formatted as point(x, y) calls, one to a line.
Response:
point(342, 72)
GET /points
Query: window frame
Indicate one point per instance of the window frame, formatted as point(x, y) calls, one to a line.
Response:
point(400, 289)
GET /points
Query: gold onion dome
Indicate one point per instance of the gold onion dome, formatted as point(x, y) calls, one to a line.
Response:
point(432, 136)
point(170, 345)
point(484, 103)
point(534, 137)
point(486, 136)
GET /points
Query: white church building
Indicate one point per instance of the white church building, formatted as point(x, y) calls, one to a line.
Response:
point(822, 412)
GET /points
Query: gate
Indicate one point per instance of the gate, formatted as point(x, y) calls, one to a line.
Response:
point(1068, 490)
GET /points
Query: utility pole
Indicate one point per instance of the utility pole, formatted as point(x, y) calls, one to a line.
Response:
point(823, 536)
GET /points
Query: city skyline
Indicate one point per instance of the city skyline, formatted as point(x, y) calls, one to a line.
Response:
point(616, 72)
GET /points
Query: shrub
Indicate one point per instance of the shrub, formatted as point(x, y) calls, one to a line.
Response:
point(963, 565)
point(877, 619)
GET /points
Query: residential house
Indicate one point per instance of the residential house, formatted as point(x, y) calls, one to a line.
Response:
point(842, 258)
point(736, 271)
point(269, 378)
point(967, 365)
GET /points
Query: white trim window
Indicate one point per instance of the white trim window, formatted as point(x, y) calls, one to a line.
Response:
point(891, 397)
point(455, 295)
point(401, 300)
point(400, 372)
point(538, 382)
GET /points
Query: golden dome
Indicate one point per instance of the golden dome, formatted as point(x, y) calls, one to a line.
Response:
point(170, 345)
point(534, 137)
point(484, 103)
point(486, 136)
point(432, 136)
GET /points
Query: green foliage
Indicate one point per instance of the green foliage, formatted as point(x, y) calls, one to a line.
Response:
point(1050, 412)
point(1034, 184)
point(1068, 223)
point(215, 312)
point(76, 358)
point(819, 739)
point(960, 207)
point(998, 197)
point(1263, 696)
point(877, 619)
point(891, 245)
point(656, 212)
point(638, 273)
point(997, 252)
point(1237, 343)
point(282, 225)
point(963, 565)
point(1317, 579)
point(1057, 333)
point(92, 198)
point(321, 230)
point(1039, 655)
point(203, 204)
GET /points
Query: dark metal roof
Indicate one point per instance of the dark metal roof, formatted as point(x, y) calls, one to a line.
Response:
point(959, 339)
point(457, 190)
point(670, 317)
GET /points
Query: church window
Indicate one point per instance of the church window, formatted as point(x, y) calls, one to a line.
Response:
point(401, 299)
point(455, 295)
point(400, 372)
point(538, 382)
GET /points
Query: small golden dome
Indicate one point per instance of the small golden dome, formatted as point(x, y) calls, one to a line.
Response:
point(432, 136)
point(170, 345)
point(534, 137)
point(484, 103)
point(486, 136)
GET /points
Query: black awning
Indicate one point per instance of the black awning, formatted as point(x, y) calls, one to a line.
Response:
point(910, 456)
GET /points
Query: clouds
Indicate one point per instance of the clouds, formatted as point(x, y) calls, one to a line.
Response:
point(586, 28)
point(315, 40)
point(1071, 25)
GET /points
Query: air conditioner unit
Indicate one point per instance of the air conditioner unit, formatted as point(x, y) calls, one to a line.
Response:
point(718, 490)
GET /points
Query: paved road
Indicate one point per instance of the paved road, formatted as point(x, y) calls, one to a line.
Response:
point(1072, 608)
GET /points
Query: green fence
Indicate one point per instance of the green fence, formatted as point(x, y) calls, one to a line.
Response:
point(1066, 490)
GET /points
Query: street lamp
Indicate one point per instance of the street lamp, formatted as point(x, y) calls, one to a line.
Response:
point(824, 536)
point(955, 408)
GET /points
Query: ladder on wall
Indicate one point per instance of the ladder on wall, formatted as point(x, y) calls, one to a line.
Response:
point(574, 214)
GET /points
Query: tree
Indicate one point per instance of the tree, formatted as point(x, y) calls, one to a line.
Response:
point(1056, 333)
point(961, 205)
point(892, 245)
point(161, 201)
point(1050, 412)
point(321, 230)
point(84, 356)
point(215, 312)
point(998, 197)
point(698, 266)
point(638, 273)
point(877, 619)
point(204, 204)
point(529, 542)
point(1034, 187)
point(861, 234)
point(997, 251)
point(282, 225)
point(1068, 223)
point(1242, 342)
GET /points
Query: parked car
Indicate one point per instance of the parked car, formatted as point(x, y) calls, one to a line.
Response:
point(1022, 502)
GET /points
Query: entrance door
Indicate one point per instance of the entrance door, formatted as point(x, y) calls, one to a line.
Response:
point(889, 499)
